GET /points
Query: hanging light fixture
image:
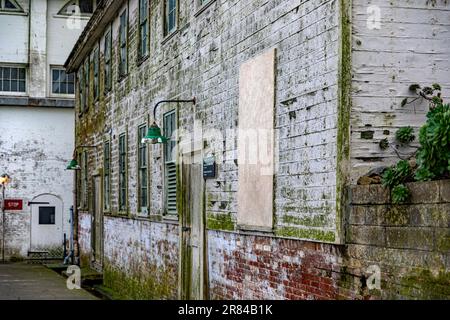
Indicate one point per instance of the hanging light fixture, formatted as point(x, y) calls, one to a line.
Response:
point(154, 134)
point(73, 164)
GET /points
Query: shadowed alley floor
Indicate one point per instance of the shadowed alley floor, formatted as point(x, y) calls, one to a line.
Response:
point(36, 282)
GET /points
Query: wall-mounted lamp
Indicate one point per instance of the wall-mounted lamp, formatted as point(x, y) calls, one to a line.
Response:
point(4, 179)
point(73, 165)
point(154, 134)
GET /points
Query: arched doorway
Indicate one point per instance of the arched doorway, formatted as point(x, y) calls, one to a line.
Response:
point(47, 224)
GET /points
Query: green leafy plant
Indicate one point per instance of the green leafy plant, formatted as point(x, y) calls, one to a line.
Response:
point(405, 135)
point(400, 194)
point(397, 174)
point(433, 156)
point(389, 178)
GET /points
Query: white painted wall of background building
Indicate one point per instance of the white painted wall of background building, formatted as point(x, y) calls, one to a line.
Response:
point(36, 145)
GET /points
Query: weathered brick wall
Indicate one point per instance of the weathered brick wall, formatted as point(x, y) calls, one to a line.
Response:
point(410, 46)
point(203, 60)
point(141, 258)
point(17, 234)
point(410, 244)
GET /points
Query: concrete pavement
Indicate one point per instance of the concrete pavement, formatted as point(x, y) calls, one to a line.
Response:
point(35, 282)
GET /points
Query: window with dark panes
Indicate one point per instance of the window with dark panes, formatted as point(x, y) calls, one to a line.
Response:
point(170, 170)
point(47, 215)
point(9, 5)
point(142, 167)
point(106, 175)
point(74, 7)
point(143, 28)
point(86, 84)
point(84, 180)
point(80, 77)
point(171, 15)
point(12, 79)
point(122, 173)
point(62, 83)
point(123, 31)
point(107, 47)
point(96, 73)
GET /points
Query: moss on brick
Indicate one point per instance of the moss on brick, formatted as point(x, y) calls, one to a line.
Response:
point(220, 222)
point(311, 221)
point(423, 284)
point(311, 234)
point(155, 284)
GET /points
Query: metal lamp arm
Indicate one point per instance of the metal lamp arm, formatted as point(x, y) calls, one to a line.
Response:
point(193, 101)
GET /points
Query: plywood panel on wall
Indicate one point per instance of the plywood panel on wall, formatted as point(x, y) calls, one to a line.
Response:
point(255, 142)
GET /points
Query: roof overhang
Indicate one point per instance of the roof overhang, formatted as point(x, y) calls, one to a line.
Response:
point(105, 12)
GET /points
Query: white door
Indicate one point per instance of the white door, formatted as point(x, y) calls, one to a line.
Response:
point(46, 223)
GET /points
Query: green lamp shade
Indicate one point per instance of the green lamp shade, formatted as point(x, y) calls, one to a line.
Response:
point(73, 165)
point(154, 135)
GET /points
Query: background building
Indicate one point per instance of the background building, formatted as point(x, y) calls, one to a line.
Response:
point(292, 100)
point(37, 119)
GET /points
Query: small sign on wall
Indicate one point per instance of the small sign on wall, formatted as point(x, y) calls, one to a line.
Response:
point(209, 167)
point(13, 204)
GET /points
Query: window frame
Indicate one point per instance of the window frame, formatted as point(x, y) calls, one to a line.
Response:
point(26, 79)
point(123, 174)
point(166, 32)
point(86, 82)
point(18, 8)
point(143, 171)
point(143, 55)
point(107, 54)
point(53, 213)
point(173, 161)
point(84, 203)
point(96, 73)
point(77, 14)
point(62, 95)
point(80, 88)
point(107, 174)
point(123, 44)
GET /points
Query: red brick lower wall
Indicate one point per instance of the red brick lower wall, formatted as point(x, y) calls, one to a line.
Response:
point(408, 245)
point(256, 267)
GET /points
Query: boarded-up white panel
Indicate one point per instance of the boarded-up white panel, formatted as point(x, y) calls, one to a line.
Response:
point(255, 142)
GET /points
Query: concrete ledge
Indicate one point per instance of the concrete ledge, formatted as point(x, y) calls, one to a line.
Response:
point(427, 192)
point(36, 102)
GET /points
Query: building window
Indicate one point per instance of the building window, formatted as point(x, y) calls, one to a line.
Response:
point(170, 16)
point(108, 41)
point(86, 85)
point(143, 28)
point(47, 215)
point(123, 63)
point(10, 5)
point(12, 79)
point(62, 83)
point(142, 167)
point(78, 7)
point(170, 169)
point(96, 73)
point(84, 180)
point(122, 173)
point(106, 176)
point(81, 96)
